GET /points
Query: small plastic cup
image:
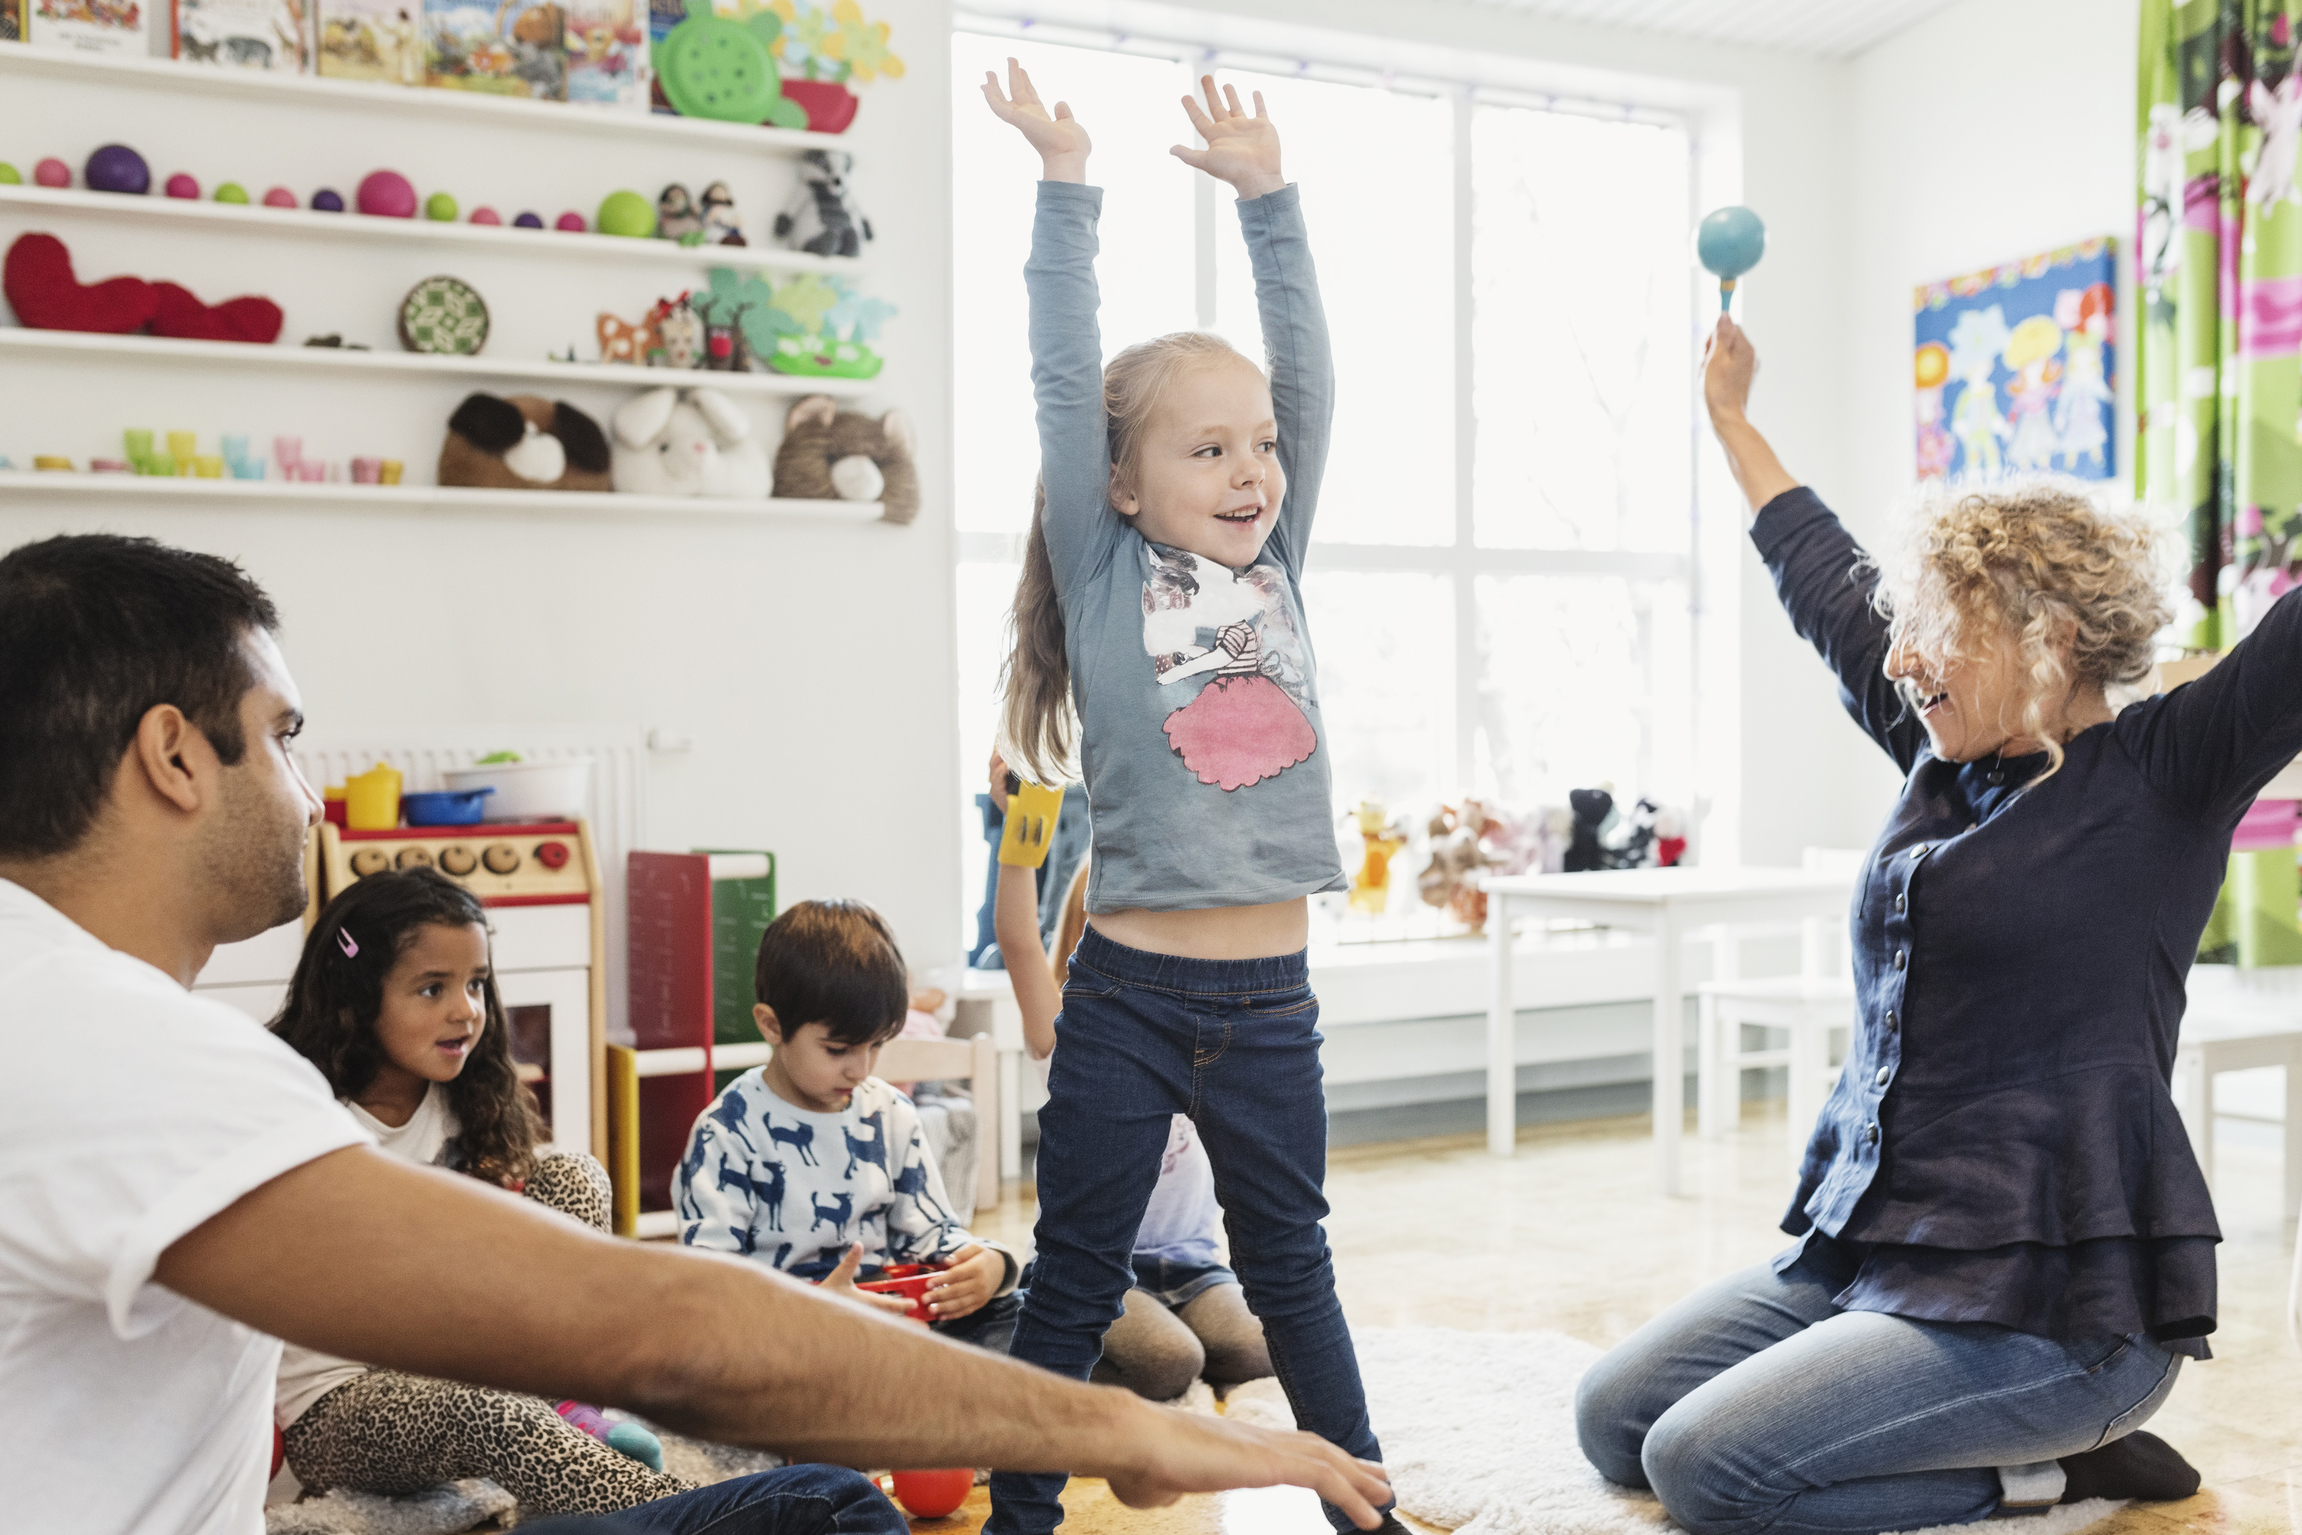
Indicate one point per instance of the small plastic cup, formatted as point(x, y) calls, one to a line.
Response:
point(138, 443)
point(107, 466)
point(311, 471)
point(367, 471)
point(247, 469)
point(208, 466)
point(235, 448)
point(183, 445)
point(288, 452)
point(162, 464)
point(388, 472)
point(52, 461)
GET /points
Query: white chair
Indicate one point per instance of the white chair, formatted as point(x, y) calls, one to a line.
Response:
point(2240, 1020)
point(1809, 1009)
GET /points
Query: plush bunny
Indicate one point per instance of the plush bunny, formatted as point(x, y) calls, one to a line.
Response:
point(829, 454)
point(687, 442)
point(523, 443)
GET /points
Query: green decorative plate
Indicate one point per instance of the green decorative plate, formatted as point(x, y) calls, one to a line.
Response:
point(716, 67)
point(444, 315)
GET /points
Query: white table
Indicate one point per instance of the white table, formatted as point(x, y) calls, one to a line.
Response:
point(1672, 904)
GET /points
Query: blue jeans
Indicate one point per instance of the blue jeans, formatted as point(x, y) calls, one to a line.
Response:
point(991, 1326)
point(1756, 1404)
point(1235, 1045)
point(796, 1500)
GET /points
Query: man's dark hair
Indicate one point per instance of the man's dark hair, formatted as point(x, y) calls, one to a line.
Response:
point(97, 630)
point(834, 963)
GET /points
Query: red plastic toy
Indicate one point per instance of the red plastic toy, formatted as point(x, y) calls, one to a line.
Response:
point(909, 1280)
point(932, 1494)
point(40, 286)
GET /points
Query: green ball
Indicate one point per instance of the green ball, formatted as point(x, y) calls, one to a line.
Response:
point(10, 176)
point(231, 192)
point(440, 208)
point(627, 214)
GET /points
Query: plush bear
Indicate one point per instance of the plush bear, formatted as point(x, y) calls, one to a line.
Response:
point(821, 218)
point(1593, 810)
point(523, 443)
point(833, 454)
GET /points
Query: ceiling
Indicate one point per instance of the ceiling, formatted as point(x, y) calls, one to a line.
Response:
point(1823, 28)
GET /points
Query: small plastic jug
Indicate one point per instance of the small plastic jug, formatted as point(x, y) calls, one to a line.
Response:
point(372, 799)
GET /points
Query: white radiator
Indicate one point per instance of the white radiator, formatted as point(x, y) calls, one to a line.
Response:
point(617, 813)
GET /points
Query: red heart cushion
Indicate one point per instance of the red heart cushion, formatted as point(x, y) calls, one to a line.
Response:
point(184, 317)
point(37, 278)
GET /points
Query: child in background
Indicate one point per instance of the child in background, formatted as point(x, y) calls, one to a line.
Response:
point(1159, 624)
point(812, 1165)
point(1186, 1315)
point(394, 1001)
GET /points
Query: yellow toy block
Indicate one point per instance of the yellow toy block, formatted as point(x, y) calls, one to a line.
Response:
point(1031, 813)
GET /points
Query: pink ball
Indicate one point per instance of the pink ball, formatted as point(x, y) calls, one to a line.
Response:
point(52, 172)
point(387, 194)
point(572, 223)
point(486, 216)
point(181, 185)
point(279, 197)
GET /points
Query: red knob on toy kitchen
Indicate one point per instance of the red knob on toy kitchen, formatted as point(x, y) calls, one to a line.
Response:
point(552, 855)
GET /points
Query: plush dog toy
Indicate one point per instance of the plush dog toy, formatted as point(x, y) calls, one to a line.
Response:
point(523, 443)
point(822, 218)
point(687, 442)
point(833, 454)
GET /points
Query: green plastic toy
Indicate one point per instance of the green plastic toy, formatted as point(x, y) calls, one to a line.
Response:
point(440, 208)
point(627, 214)
point(716, 67)
point(231, 192)
point(10, 176)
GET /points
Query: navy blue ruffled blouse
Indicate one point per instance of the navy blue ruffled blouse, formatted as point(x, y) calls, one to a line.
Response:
point(2002, 1145)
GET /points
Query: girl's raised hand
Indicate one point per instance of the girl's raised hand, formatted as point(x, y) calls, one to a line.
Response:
point(1241, 149)
point(1061, 141)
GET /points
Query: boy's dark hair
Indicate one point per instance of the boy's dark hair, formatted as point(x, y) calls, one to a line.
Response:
point(834, 963)
point(338, 994)
point(96, 630)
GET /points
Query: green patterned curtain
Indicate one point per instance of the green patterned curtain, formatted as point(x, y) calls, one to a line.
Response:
point(2219, 275)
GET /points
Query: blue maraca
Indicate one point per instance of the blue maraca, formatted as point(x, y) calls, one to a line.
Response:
point(1729, 243)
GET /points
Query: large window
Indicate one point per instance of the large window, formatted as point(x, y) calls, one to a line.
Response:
point(1498, 587)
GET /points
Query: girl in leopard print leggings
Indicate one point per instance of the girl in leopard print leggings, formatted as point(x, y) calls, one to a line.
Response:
point(394, 1001)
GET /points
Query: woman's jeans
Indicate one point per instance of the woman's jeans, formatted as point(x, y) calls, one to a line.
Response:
point(796, 1500)
point(1235, 1045)
point(1756, 1404)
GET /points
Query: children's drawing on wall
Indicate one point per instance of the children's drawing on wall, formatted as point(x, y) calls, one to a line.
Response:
point(2015, 368)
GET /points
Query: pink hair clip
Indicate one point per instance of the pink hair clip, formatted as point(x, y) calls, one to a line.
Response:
point(347, 943)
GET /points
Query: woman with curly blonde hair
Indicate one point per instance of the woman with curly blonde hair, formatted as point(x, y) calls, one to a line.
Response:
point(2004, 1247)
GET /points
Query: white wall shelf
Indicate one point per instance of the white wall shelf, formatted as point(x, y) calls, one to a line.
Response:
point(550, 244)
point(146, 350)
point(482, 111)
point(52, 485)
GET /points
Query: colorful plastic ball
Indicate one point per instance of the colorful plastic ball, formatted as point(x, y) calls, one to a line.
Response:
point(570, 223)
point(10, 176)
point(183, 186)
point(232, 192)
point(113, 168)
point(279, 197)
point(53, 172)
point(1730, 242)
point(527, 221)
point(932, 1494)
point(327, 200)
point(485, 215)
point(627, 214)
point(440, 208)
point(387, 194)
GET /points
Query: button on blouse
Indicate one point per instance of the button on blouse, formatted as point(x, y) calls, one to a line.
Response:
point(2002, 1146)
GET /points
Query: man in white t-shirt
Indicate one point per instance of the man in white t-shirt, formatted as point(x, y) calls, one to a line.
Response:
point(178, 1189)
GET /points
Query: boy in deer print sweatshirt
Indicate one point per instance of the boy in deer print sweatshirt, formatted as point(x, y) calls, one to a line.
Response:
point(814, 1166)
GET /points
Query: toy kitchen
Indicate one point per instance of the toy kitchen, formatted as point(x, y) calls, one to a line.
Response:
point(537, 872)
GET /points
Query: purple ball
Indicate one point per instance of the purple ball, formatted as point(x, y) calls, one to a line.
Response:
point(117, 168)
point(528, 221)
point(327, 201)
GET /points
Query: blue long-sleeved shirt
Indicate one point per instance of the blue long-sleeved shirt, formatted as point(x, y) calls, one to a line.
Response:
point(2002, 1145)
point(1202, 746)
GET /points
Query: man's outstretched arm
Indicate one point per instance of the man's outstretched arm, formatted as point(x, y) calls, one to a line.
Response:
point(429, 1272)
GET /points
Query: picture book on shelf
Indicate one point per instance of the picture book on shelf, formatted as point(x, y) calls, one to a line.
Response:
point(11, 21)
point(91, 26)
point(243, 34)
point(607, 53)
point(370, 40)
point(515, 48)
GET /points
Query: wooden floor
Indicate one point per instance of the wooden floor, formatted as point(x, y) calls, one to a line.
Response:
point(1570, 1234)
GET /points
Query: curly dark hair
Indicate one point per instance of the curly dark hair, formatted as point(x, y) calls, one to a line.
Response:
point(338, 994)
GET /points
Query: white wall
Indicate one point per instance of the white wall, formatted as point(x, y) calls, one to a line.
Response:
point(810, 663)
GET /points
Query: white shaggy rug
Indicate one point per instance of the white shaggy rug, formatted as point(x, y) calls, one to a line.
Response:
point(441, 1511)
point(1478, 1432)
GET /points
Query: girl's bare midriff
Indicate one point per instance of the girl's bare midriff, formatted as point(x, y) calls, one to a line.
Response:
point(1219, 932)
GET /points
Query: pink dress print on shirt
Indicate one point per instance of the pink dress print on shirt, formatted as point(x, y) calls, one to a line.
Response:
point(1243, 726)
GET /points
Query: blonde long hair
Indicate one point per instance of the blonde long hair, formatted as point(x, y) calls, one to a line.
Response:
point(1038, 726)
point(2038, 562)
